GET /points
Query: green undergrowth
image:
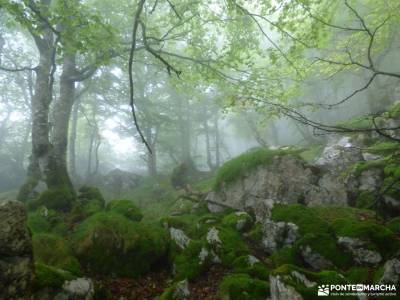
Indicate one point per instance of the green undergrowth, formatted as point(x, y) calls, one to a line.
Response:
point(319, 228)
point(285, 272)
point(246, 265)
point(109, 243)
point(59, 199)
point(243, 287)
point(155, 197)
point(48, 276)
point(126, 208)
point(240, 165)
point(55, 251)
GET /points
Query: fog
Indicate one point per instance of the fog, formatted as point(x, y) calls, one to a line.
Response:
point(190, 107)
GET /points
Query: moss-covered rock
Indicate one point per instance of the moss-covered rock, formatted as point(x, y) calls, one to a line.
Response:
point(192, 261)
point(90, 194)
point(38, 222)
point(252, 266)
point(240, 221)
point(365, 199)
point(54, 251)
point(314, 231)
point(377, 237)
point(109, 243)
point(240, 165)
point(126, 208)
point(226, 243)
point(90, 200)
point(45, 220)
point(305, 282)
point(59, 199)
point(242, 287)
point(48, 276)
point(394, 225)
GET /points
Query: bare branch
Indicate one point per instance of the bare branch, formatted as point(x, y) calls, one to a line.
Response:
point(130, 70)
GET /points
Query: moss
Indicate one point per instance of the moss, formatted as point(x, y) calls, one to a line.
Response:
point(358, 275)
point(231, 246)
point(239, 221)
point(194, 224)
point(155, 197)
point(204, 185)
point(91, 201)
point(312, 153)
point(59, 199)
point(286, 255)
point(110, 243)
point(362, 166)
point(365, 199)
point(384, 148)
point(394, 225)
point(314, 231)
point(379, 238)
point(47, 221)
point(38, 223)
point(54, 251)
point(243, 264)
point(90, 194)
point(242, 287)
point(188, 264)
point(239, 166)
point(48, 276)
point(126, 208)
point(167, 294)
point(394, 111)
point(256, 233)
point(378, 275)
point(323, 277)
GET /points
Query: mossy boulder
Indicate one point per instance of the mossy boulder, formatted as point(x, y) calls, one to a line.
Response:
point(109, 243)
point(239, 166)
point(192, 261)
point(59, 199)
point(252, 266)
point(314, 231)
point(321, 227)
point(91, 200)
point(126, 208)
point(54, 251)
point(394, 225)
point(48, 276)
point(243, 287)
point(45, 220)
point(38, 222)
point(240, 221)
point(305, 282)
point(226, 243)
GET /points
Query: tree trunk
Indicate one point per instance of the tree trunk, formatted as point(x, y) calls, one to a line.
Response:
point(72, 141)
point(62, 114)
point(217, 141)
point(39, 165)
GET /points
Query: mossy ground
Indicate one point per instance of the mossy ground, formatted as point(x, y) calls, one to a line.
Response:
point(55, 251)
point(243, 287)
point(48, 276)
point(109, 243)
point(126, 208)
point(59, 199)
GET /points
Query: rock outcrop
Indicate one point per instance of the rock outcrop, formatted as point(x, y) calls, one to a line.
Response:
point(16, 262)
point(286, 178)
point(277, 235)
point(281, 291)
